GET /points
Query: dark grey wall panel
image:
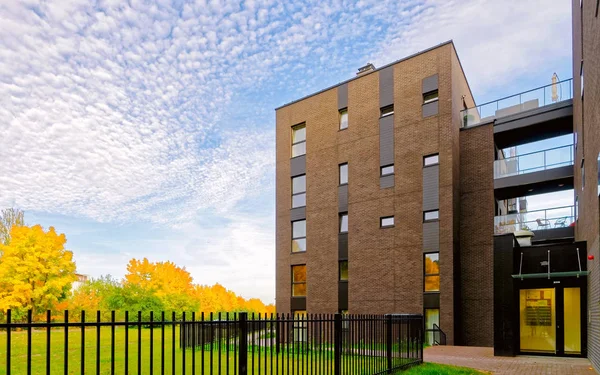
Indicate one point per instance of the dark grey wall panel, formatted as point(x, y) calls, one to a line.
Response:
point(342, 92)
point(343, 198)
point(386, 140)
point(431, 188)
point(386, 86)
point(430, 83)
point(386, 181)
point(343, 295)
point(298, 213)
point(506, 318)
point(431, 236)
point(298, 165)
point(431, 300)
point(343, 246)
point(298, 303)
point(430, 109)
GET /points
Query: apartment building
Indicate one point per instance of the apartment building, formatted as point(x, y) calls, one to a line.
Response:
point(397, 194)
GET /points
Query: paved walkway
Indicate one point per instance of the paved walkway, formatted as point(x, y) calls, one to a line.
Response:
point(483, 359)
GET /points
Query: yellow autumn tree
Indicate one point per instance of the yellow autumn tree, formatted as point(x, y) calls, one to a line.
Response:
point(36, 271)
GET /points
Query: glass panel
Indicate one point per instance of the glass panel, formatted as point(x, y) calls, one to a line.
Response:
point(344, 270)
point(538, 320)
point(343, 174)
point(299, 273)
point(430, 97)
point(299, 200)
point(432, 283)
point(343, 119)
point(299, 149)
point(387, 221)
point(432, 264)
point(299, 290)
point(298, 133)
point(299, 229)
point(299, 184)
point(298, 245)
point(534, 162)
point(572, 327)
point(432, 160)
point(387, 170)
point(432, 215)
point(386, 111)
point(432, 316)
point(300, 325)
point(343, 223)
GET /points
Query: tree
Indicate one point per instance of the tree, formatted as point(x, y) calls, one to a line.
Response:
point(134, 298)
point(36, 272)
point(9, 218)
point(93, 296)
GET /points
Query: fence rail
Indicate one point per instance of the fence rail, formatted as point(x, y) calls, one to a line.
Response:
point(224, 343)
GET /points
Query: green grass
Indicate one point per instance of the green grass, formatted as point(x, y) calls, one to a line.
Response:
point(226, 362)
point(436, 369)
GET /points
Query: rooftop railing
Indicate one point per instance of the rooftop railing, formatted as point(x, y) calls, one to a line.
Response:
point(526, 100)
point(534, 161)
point(558, 217)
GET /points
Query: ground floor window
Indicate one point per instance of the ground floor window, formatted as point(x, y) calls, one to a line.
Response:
point(300, 325)
point(432, 317)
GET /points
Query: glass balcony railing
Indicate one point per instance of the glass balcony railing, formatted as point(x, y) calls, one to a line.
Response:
point(559, 217)
point(539, 97)
point(533, 162)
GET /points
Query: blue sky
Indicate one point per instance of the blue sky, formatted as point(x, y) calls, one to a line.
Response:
point(146, 128)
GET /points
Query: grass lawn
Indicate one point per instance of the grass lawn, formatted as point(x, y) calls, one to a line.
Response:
point(212, 362)
point(435, 369)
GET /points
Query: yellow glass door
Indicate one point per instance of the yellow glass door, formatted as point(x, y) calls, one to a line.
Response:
point(572, 325)
point(538, 320)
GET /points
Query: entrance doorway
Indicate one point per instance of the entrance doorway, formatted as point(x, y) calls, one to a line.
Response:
point(550, 320)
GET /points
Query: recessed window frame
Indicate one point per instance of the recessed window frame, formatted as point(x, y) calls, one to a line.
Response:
point(298, 282)
point(299, 238)
point(431, 160)
point(343, 264)
point(388, 224)
point(386, 111)
point(343, 115)
point(298, 193)
point(428, 97)
point(427, 220)
point(341, 167)
point(581, 78)
point(296, 128)
point(341, 222)
point(582, 174)
point(383, 168)
point(427, 275)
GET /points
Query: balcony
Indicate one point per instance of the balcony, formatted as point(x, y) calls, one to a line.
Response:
point(521, 102)
point(551, 223)
point(534, 162)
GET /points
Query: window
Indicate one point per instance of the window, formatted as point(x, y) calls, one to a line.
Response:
point(298, 236)
point(581, 78)
point(344, 223)
point(299, 191)
point(300, 328)
point(387, 170)
point(343, 118)
point(387, 221)
point(431, 96)
point(387, 110)
point(343, 174)
point(597, 7)
point(582, 173)
point(577, 208)
point(298, 140)
point(431, 215)
point(599, 170)
point(431, 160)
point(432, 272)
point(299, 280)
point(344, 270)
point(432, 316)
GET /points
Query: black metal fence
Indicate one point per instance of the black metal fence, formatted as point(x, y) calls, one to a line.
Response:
point(230, 343)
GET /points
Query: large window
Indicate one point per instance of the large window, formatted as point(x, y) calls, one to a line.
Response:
point(431, 160)
point(343, 174)
point(432, 316)
point(344, 223)
point(299, 280)
point(299, 191)
point(298, 236)
point(432, 272)
point(343, 118)
point(344, 270)
point(300, 325)
point(387, 170)
point(298, 140)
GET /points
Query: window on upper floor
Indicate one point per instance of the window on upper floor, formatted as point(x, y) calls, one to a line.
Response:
point(299, 280)
point(298, 140)
point(343, 174)
point(298, 236)
point(387, 110)
point(386, 221)
point(431, 160)
point(344, 270)
point(299, 191)
point(343, 118)
point(582, 174)
point(344, 223)
point(431, 215)
point(432, 272)
point(387, 170)
point(581, 78)
point(431, 96)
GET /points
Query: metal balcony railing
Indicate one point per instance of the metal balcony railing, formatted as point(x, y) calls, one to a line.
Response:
point(534, 161)
point(526, 100)
point(557, 217)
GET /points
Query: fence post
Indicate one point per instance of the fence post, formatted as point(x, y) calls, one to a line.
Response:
point(337, 344)
point(388, 341)
point(243, 359)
